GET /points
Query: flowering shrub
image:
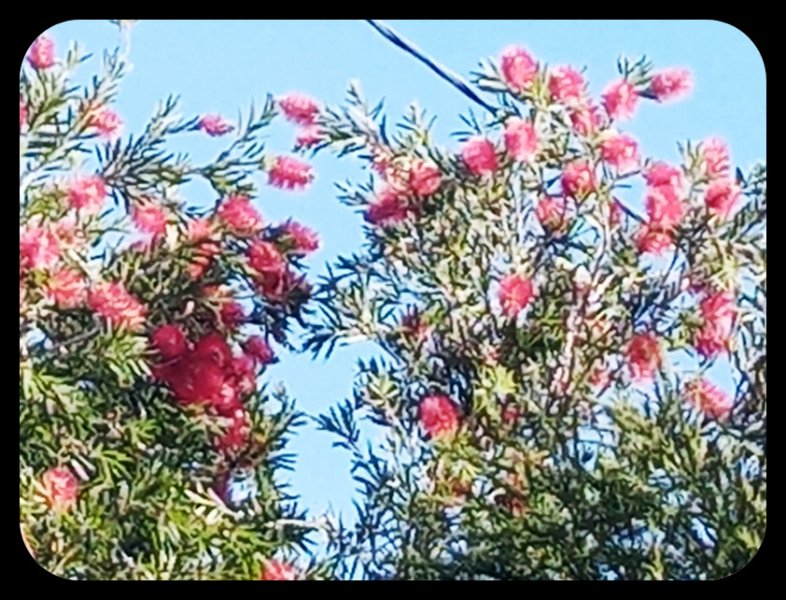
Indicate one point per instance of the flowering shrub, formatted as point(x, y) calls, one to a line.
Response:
point(545, 386)
point(148, 448)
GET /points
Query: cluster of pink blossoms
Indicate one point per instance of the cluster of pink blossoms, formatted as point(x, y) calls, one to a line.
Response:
point(87, 193)
point(407, 183)
point(722, 192)
point(150, 218)
point(61, 489)
point(709, 399)
point(239, 216)
point(106, 122)
point(553, 213)
point(275, 570)
point(214, 125)
point(620, 151)
point(515, 294)
point(302, 110)
point(287, 172)
point(42, 53)
point(644, 355)
point(718, 311)
point(665, 208)
point(438, 415)
point(112, 301)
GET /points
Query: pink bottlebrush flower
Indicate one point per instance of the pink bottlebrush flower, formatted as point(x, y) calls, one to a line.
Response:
point(232, 314)
point(621, 152)
point(309, 136)
point(87, 193)
point(112, 302)
point(244, 376)
point(644, 356)
point(299, 108)
point(438, 416)
point(387, 209)
point(170, 341)
point(275, 286)
point(200, 229)
point(671, 84)
point(150, 218)
point(521, 140)
point(424, 178)
point(653, 240)
point(42, 53)
point(620, 99)
point(519, 69)
point(566, 84)
point(585, 118)
point(710, 399)
point(258, 349)
point(106, 121)
point(552, 213)
point(721, 196)
point(214, 125)
point(480, 156)
point(227, 401)
point(664, 206)
point(718, 311)
point(275, 570)
point(237, 433)
point(515, 294)
point(39, 248)
point(212, 348)
point(240, 217)
point(61, 488)
point(22, 113)
point(302, 239)
point(66, 288)
point(290, 173)
point(578, 179)
point(265, 257)
point(714, 158)
point(661, 173)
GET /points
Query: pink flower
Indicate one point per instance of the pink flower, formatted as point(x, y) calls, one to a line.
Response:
point(115, 304)
point(644, 356)
point(709, 399)
point(290, 173)
point(258, 349)
point(299, 108)
point(424, 178)
point(620, 99)
point(519, 69)
point(552, 213)
point(232, 314)
point(664, 206)
point(42, 53)
point(515, 293)
point(438, 415)
point(721, 196)
point(653, 240)
point(150, 218)
point(106, 121)
point(170, 341)
point(660, 173)
point(87, 193)
point(214, 125)
point(265, 257)
point(714, 158)
point(303, 239)
point(621, 152)
point(521, 141)
point(566, 84)
point(275, 570)
point(585, 118)
point(212, 348)
point(240, 217)
point(67, 288)
point(38, 248)
point(480, 156)
point(237, 434)
point(387, 209)
point(22, 113)
point(671, 84)
point(309, 136)
point(244, 376)
point(718, 311)
point(61, 488)
point(578, 179)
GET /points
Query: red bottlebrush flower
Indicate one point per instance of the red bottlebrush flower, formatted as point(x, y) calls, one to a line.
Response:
point(265, 257)
point(194, 382)
point(115, 304)
point(552, 213)
point(621, 152)
point(275, 570)
point(480, 156)
point(257, 348)
point(275, 286)
point(150, 218)
point(200, 229)
point(213, 348)
point(38, 248)
point(566, 84)
point(721, 196)
point(302, 239)
point(244, 373)
point(227, 402)
point(515, 294)
point(299, 108)
point(585, 118)
point(438, 416)
point(240, 217)
point(170, 341)
point(664, 207)
point(290, 173)
point(718, 311)
point(709, 399)
point(237, 434)
point(87, 193)
point(106, 121)
point(424, 178)
point(521, 140)
point(714, 158)
point(214, 125)
point(61, 488)
point(644, 356)
point(232, 314)
point(671, 84)
point(309, 136)
point(519, 69)
point(22, 113)
point(653, 240)
point(42, 53)
point(387, 209)
point(578, 179)
point(67, 288)
point(660, 173)
point(620, 100)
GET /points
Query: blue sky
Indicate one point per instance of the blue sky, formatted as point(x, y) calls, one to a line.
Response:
point(220, 66)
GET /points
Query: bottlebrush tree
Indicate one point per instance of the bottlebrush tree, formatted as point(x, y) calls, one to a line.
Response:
point(148, 449)
point(542, 391)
